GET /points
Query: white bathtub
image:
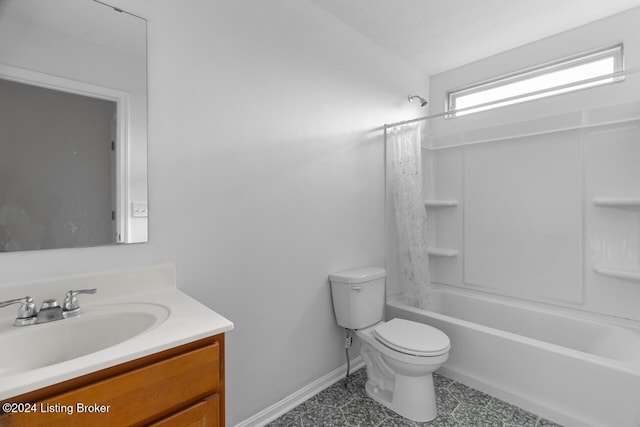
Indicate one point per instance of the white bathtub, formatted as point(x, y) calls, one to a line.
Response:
point(574, 368)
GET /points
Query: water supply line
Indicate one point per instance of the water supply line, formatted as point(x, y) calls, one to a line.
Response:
point(347, 344)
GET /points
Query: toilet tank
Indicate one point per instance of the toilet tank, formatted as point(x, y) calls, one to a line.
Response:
point(358, 296)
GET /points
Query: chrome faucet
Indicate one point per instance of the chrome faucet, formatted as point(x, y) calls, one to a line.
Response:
point(26, 313)
point(71, 307)
point(50, 309)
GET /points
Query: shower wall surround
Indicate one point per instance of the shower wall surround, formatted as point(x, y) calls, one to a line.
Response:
point(548, 191)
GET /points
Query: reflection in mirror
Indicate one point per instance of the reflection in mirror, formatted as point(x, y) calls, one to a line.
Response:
point(73, 125)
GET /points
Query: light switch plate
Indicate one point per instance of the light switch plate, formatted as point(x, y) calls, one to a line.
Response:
point(139, 210)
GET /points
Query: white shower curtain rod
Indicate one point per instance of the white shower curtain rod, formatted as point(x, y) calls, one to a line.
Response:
point(513, 98)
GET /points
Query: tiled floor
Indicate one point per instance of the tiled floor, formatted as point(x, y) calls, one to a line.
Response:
point(458, 406)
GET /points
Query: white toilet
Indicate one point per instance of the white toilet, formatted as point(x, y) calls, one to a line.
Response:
point(400, 355)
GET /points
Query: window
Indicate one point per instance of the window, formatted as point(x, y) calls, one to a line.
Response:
point(539, 82)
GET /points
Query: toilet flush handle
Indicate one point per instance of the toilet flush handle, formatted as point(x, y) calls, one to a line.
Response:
point(356, 288)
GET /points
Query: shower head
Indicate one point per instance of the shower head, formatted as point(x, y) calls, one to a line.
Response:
point(423, 101)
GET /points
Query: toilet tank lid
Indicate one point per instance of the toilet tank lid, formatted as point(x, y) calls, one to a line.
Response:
point(358, 275)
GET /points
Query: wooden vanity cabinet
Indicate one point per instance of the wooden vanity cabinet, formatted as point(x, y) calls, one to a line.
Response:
point(182, 386)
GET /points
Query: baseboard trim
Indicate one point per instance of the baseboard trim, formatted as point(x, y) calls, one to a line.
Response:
point(285, 405)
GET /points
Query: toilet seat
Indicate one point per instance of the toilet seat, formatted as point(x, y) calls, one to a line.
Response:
point(412, 338)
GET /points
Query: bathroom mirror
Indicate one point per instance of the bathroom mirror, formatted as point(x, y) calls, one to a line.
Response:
point(73, 125)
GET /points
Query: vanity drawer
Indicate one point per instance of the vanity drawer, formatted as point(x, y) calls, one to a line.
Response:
point(161, 389)
point(203, 414)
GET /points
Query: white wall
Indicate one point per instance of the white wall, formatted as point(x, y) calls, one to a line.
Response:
point(266, 173)
point(526, 225)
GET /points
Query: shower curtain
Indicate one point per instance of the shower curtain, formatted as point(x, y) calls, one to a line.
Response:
point(405, 177)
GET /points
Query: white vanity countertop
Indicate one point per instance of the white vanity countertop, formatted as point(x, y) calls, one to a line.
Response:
point(187, 321)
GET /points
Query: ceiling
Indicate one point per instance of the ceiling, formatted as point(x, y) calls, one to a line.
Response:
point(438, 35)
point(87, 20)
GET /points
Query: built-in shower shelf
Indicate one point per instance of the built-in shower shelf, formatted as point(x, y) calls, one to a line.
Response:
point(442, 252)
point(440, 203)
point(617, 202)
point(618, 273)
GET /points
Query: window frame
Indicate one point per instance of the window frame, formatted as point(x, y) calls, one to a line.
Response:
point(616, 52)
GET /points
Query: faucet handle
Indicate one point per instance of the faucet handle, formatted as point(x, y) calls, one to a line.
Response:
point(26, 313)
point(70, 304)
point(82, 291)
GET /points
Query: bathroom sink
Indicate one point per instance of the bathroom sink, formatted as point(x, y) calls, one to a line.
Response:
point(99, 327)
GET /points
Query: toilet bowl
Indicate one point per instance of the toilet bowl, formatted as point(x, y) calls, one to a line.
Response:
point(400, 358)
point(400, 355)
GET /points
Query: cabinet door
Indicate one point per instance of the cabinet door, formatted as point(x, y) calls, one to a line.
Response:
point(203, 414)
point(133, 398)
